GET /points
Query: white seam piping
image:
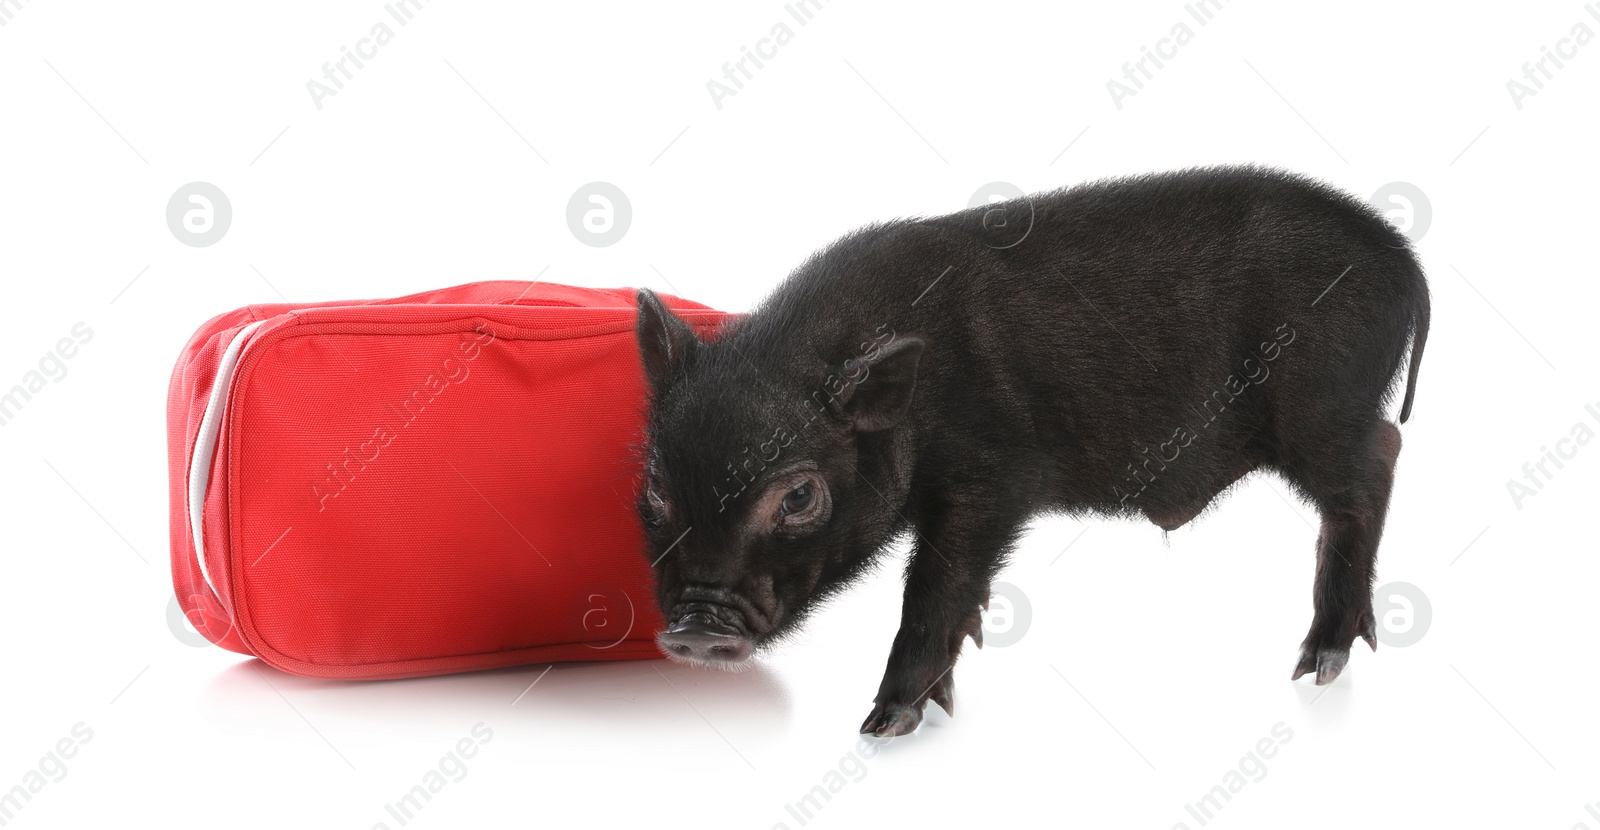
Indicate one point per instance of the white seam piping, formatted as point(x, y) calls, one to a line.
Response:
point(205, 447)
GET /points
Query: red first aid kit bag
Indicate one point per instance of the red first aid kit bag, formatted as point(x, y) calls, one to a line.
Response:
point(436, 483)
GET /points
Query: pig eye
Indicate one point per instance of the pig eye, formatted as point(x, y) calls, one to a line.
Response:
point(799, 499)
point(802, 508)
point(795, 503)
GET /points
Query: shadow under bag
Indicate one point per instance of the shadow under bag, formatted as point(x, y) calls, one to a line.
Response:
point(436, 483)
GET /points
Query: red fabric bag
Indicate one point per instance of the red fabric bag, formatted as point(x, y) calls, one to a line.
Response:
point(436, 483)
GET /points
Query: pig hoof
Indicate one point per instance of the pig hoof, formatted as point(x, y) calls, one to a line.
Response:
point(888, 721)
point(1326, 663)
point(892, 721)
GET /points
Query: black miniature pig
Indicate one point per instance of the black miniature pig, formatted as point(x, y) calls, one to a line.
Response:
point(1130, 347)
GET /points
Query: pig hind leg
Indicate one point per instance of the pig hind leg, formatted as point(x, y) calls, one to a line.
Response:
point(1349, 481)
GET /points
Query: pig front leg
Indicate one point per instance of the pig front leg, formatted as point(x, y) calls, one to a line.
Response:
point(947, 588)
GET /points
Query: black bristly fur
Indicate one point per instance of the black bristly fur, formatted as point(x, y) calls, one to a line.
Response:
point(1129, 347)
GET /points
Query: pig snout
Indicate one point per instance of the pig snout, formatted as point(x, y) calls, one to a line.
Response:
point(708, 627)
point(702, 638)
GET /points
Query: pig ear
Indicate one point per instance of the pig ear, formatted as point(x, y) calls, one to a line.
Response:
point(878, 387)
point(664, 340)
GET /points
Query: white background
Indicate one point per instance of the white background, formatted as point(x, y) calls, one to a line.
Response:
point(1150, 668)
